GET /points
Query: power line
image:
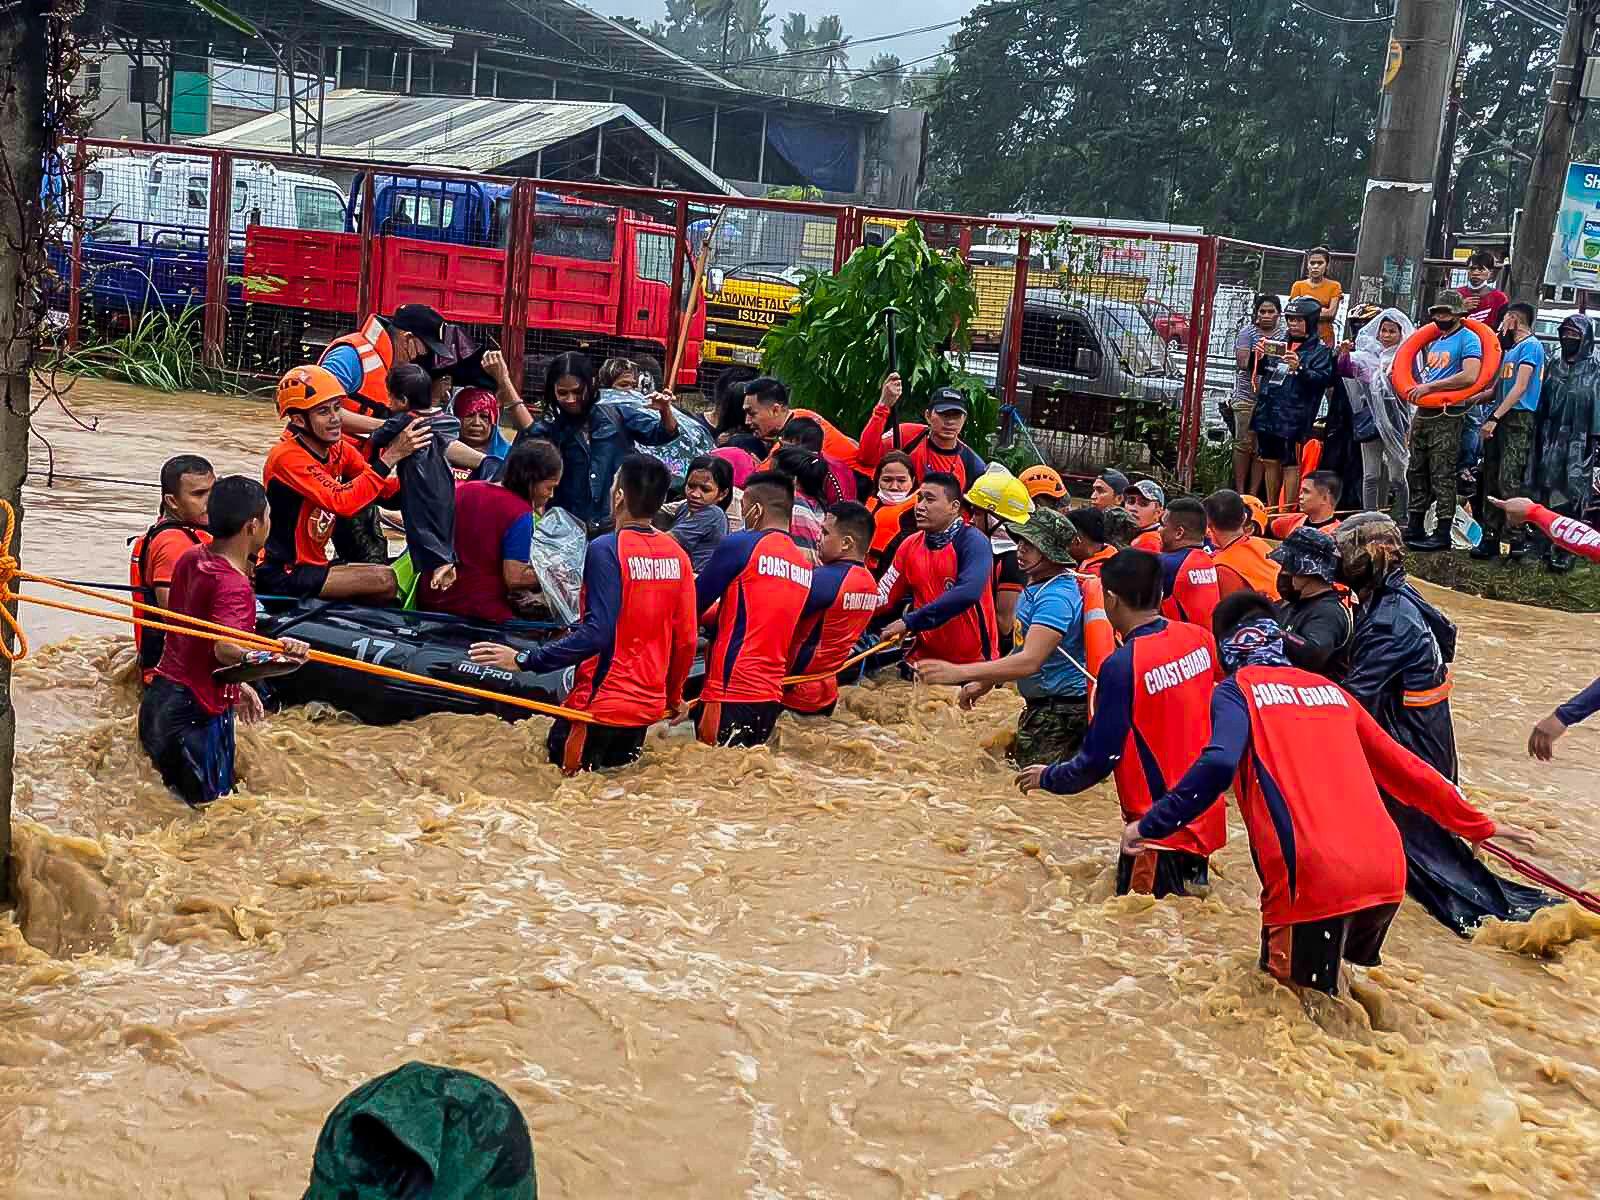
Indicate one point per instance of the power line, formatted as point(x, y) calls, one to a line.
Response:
point(1388, 16)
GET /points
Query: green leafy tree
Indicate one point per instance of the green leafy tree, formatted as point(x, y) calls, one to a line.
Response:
point(833, 57)
point(883, 85)
point(833, 354)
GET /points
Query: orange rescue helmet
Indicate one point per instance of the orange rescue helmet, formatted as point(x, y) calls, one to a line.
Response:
point(1255, 511)
point(1043, 481)
point(305, 387)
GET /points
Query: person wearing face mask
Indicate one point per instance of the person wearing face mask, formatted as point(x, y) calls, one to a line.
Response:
point(945, 570)
point(1508, 431)
point(996, 501)
point(1318, 625)
point(1568, 418)
point(1400, 673)
point(894, 496)
point(1451, 361)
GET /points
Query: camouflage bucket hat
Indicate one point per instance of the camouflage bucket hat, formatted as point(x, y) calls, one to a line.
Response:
point(1049, 532)
point(1308, 552)
point(424, 1130)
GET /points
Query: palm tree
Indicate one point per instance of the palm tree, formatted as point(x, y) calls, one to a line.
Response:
point(830, 40)
point(882, 85)
point(798, 38)
point(752, 25)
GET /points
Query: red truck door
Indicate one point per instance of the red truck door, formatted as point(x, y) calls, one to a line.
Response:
point(647, 294)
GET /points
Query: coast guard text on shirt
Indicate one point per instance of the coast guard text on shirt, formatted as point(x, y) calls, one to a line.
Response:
point(644, 567)
point(1171, 674)
point(1327, 696)
point(782, 568)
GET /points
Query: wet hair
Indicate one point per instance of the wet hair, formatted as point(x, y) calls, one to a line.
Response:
point(1189, 515)
point(721, 472)
point(1524, 311)
point(946, 481)
point(1089, 522)
point(854, 522)
point(579, 366)
point(531, 462)
point(614, 369)
point(895, 456)
point(235, 502)
point(803, 432)
point(727, 400)
point(1265, 298)
point(1226, 511)
point(644, 482)
point(174, 469)
point(1236, 608)
point(1482, 259)
point(751, 445)
point(809, 472)
point(768, 390)
point(773, 491)
point(651, 366)
point(1327, 257)
point(410, 385)
point(1330, 482)
point(1134, 577)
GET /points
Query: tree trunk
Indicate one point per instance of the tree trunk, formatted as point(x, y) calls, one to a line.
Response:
point(1547, 176)
point(22, 137)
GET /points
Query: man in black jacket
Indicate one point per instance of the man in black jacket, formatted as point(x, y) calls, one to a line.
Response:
point(1290, 392)
point(1318, 626)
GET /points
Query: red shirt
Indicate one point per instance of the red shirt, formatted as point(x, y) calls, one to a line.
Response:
point(634, 644)
point(844, 595)
point(758, 581)
point(951, 593)
point(962, 462)
point(485, 514)
point(1148, 539)
point(1487, 306)
point(151, 560)
point(210, 588)
point(1189, 586)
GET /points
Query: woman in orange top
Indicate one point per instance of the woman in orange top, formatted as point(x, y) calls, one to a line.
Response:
point(1326, 292)
point(894, 495)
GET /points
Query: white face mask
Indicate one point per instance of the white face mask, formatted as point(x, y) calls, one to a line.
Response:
point(891, 497)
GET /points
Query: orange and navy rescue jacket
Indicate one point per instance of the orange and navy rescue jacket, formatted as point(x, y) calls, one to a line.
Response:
point(634, 644)
point(952, 596)
point(1306, 762)
point(145, 576)
point(758, 582)
point(1189, 586)
point(307, 491)
point(844, 595)
point(375, 354)
point(963, 461)
point(1152, 719)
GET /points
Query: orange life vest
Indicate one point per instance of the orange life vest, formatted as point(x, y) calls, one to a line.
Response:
point(149, 643)
point(376, 349)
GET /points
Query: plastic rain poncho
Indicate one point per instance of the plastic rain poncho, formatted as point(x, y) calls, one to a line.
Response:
point(1372, 393)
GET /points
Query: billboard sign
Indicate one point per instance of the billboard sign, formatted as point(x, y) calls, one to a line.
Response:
point(1575, 249)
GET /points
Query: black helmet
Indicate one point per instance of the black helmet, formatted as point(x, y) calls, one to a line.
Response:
point(1307, 307)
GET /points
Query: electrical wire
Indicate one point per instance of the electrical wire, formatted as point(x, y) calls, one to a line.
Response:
point(1389, 16)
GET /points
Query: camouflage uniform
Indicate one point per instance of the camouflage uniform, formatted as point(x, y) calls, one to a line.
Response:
point(1435, 445)
point(1051, 730)
point(1505, 469)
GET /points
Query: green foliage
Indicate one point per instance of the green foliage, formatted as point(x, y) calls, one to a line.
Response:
point(160, 352)
point(833, 355)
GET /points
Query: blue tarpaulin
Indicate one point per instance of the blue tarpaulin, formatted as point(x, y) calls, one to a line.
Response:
point(824, 153)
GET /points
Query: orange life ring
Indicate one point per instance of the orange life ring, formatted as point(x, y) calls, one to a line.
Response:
point(1403, 374)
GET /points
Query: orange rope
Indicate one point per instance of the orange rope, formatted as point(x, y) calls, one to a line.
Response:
point(791, 680)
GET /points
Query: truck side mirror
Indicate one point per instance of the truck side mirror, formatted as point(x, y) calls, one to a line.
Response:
point(715, 278)
point(1088, 361)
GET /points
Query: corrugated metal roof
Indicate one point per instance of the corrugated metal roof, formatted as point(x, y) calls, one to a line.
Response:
point(410, 31)
point(471, 134)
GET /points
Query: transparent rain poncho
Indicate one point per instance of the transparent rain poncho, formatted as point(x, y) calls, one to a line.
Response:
point(1371, 389)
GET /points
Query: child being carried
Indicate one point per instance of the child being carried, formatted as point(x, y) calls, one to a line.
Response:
point(427, 486)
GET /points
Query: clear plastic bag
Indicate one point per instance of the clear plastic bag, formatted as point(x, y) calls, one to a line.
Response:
point(556, 555)
point(693, 439)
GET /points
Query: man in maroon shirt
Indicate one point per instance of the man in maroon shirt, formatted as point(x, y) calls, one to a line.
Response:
point(186, 717)
point(1485, 302)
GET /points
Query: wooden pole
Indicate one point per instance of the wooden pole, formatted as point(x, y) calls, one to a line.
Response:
point(701, 262)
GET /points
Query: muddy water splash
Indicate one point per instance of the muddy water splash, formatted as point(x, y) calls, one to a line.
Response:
point(853, 964)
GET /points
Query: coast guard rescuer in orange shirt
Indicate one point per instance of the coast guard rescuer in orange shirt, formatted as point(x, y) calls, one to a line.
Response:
point(752, 591)
point(313, 476)
point(946, 569)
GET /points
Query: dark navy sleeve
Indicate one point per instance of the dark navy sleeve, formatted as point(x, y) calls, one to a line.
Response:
point(974, 464)
point(1582, 706)
point(1171, 563)
point(826, 581)
point(1382, 654)
point(1108, 731)
point(1211, 773)
point(602, 605)
point(974, 565)
point(732, 556)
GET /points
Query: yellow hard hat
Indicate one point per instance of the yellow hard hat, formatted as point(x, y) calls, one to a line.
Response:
point(1000, 492)
point(1043, 481)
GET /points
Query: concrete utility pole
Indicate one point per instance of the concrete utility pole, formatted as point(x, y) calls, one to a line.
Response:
point(1394, 217)
point(1547, 176)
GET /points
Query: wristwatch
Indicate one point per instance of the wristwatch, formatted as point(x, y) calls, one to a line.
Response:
point(524, 658)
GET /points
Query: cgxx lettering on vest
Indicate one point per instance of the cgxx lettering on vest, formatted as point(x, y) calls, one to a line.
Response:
point(1327, 696)
point(860, 601)
point(1171, 674)
point(782, 568)
point(642, 566)
point(1574, 533)
point(1203, 575)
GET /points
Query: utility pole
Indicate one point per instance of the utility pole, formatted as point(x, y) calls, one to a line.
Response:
point(1548, 175)
point(1394, 217)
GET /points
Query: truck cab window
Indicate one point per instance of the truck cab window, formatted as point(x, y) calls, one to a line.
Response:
point(654, 254)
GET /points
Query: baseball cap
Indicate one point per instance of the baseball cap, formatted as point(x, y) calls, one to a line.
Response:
point(768, 388)
point(1150, 490)
point(423, 323)
point(948, 399)
point(1450, 301)
point(1115, 480)
point(1308, 551)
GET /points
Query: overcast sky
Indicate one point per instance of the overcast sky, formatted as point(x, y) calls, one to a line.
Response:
point(861, 19)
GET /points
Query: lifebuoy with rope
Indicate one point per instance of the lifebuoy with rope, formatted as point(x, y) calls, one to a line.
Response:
point(1403, 374)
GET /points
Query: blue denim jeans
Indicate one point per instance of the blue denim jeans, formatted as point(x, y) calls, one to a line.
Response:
point(1472, 437)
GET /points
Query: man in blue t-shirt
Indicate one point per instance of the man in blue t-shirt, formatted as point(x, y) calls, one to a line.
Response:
point(1508, 429)
point(1450, 361)
point(1047, 666)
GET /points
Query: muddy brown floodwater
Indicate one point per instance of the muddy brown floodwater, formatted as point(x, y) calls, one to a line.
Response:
point(854, 964)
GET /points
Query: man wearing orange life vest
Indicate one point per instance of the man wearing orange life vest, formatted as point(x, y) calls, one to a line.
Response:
point(1241, 557)
point(1188, 574)
point(934, 447)
point(186, 483)
point(1146, 502)
point(1151, 720)
point(1319, 497)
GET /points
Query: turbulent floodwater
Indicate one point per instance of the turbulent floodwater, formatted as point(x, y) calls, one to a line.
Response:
point(853, 964)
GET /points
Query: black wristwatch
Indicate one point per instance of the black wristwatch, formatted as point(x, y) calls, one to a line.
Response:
point(524, 657)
